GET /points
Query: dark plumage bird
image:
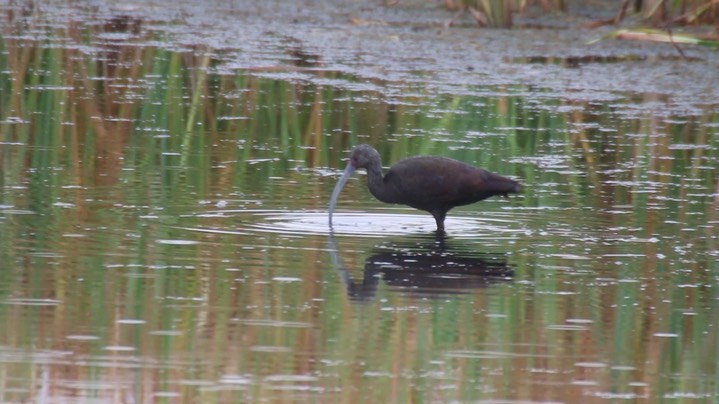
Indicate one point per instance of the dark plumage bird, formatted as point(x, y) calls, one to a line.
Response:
point(430, 183)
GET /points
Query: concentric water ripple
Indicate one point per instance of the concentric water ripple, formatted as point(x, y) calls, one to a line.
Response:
point(364, 224)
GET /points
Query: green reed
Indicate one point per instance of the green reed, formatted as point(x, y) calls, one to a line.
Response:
point(680, 11)
point(499, 13)
point(187, 106)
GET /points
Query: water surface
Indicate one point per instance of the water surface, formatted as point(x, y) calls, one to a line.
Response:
point(164, 235)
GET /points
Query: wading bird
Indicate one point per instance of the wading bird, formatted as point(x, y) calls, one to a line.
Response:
point(430, 183)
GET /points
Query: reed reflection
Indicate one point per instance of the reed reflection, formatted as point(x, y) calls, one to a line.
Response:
point(427, 267)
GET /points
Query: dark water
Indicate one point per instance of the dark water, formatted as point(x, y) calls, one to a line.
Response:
point(164, 238)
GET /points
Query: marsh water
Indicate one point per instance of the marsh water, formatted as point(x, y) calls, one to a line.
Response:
point(163, 214)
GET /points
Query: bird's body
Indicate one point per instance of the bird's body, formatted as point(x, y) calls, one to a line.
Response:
point(430, 183)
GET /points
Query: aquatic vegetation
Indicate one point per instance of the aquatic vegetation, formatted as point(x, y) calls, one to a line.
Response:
point(654, 35)
point(496, 13)
point(499, 13)
point(678, 12)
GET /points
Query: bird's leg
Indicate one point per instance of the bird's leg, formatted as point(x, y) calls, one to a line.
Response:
point(439, 218)
point(439, 242)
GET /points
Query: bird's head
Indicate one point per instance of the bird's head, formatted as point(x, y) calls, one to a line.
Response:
point(362, 156)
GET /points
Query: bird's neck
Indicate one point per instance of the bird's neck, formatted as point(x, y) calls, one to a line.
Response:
point(376, 185)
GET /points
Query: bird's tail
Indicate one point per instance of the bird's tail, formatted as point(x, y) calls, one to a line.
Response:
point(505, 186)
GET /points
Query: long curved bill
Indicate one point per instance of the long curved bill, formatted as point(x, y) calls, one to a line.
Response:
point(338, 188)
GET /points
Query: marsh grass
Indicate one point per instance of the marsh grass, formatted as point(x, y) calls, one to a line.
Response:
point(658, 13)
point(68, 113)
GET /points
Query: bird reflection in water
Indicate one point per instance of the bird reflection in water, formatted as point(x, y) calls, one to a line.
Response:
point(426, 267)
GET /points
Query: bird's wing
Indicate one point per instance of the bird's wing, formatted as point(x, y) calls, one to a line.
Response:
point(431, 181)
